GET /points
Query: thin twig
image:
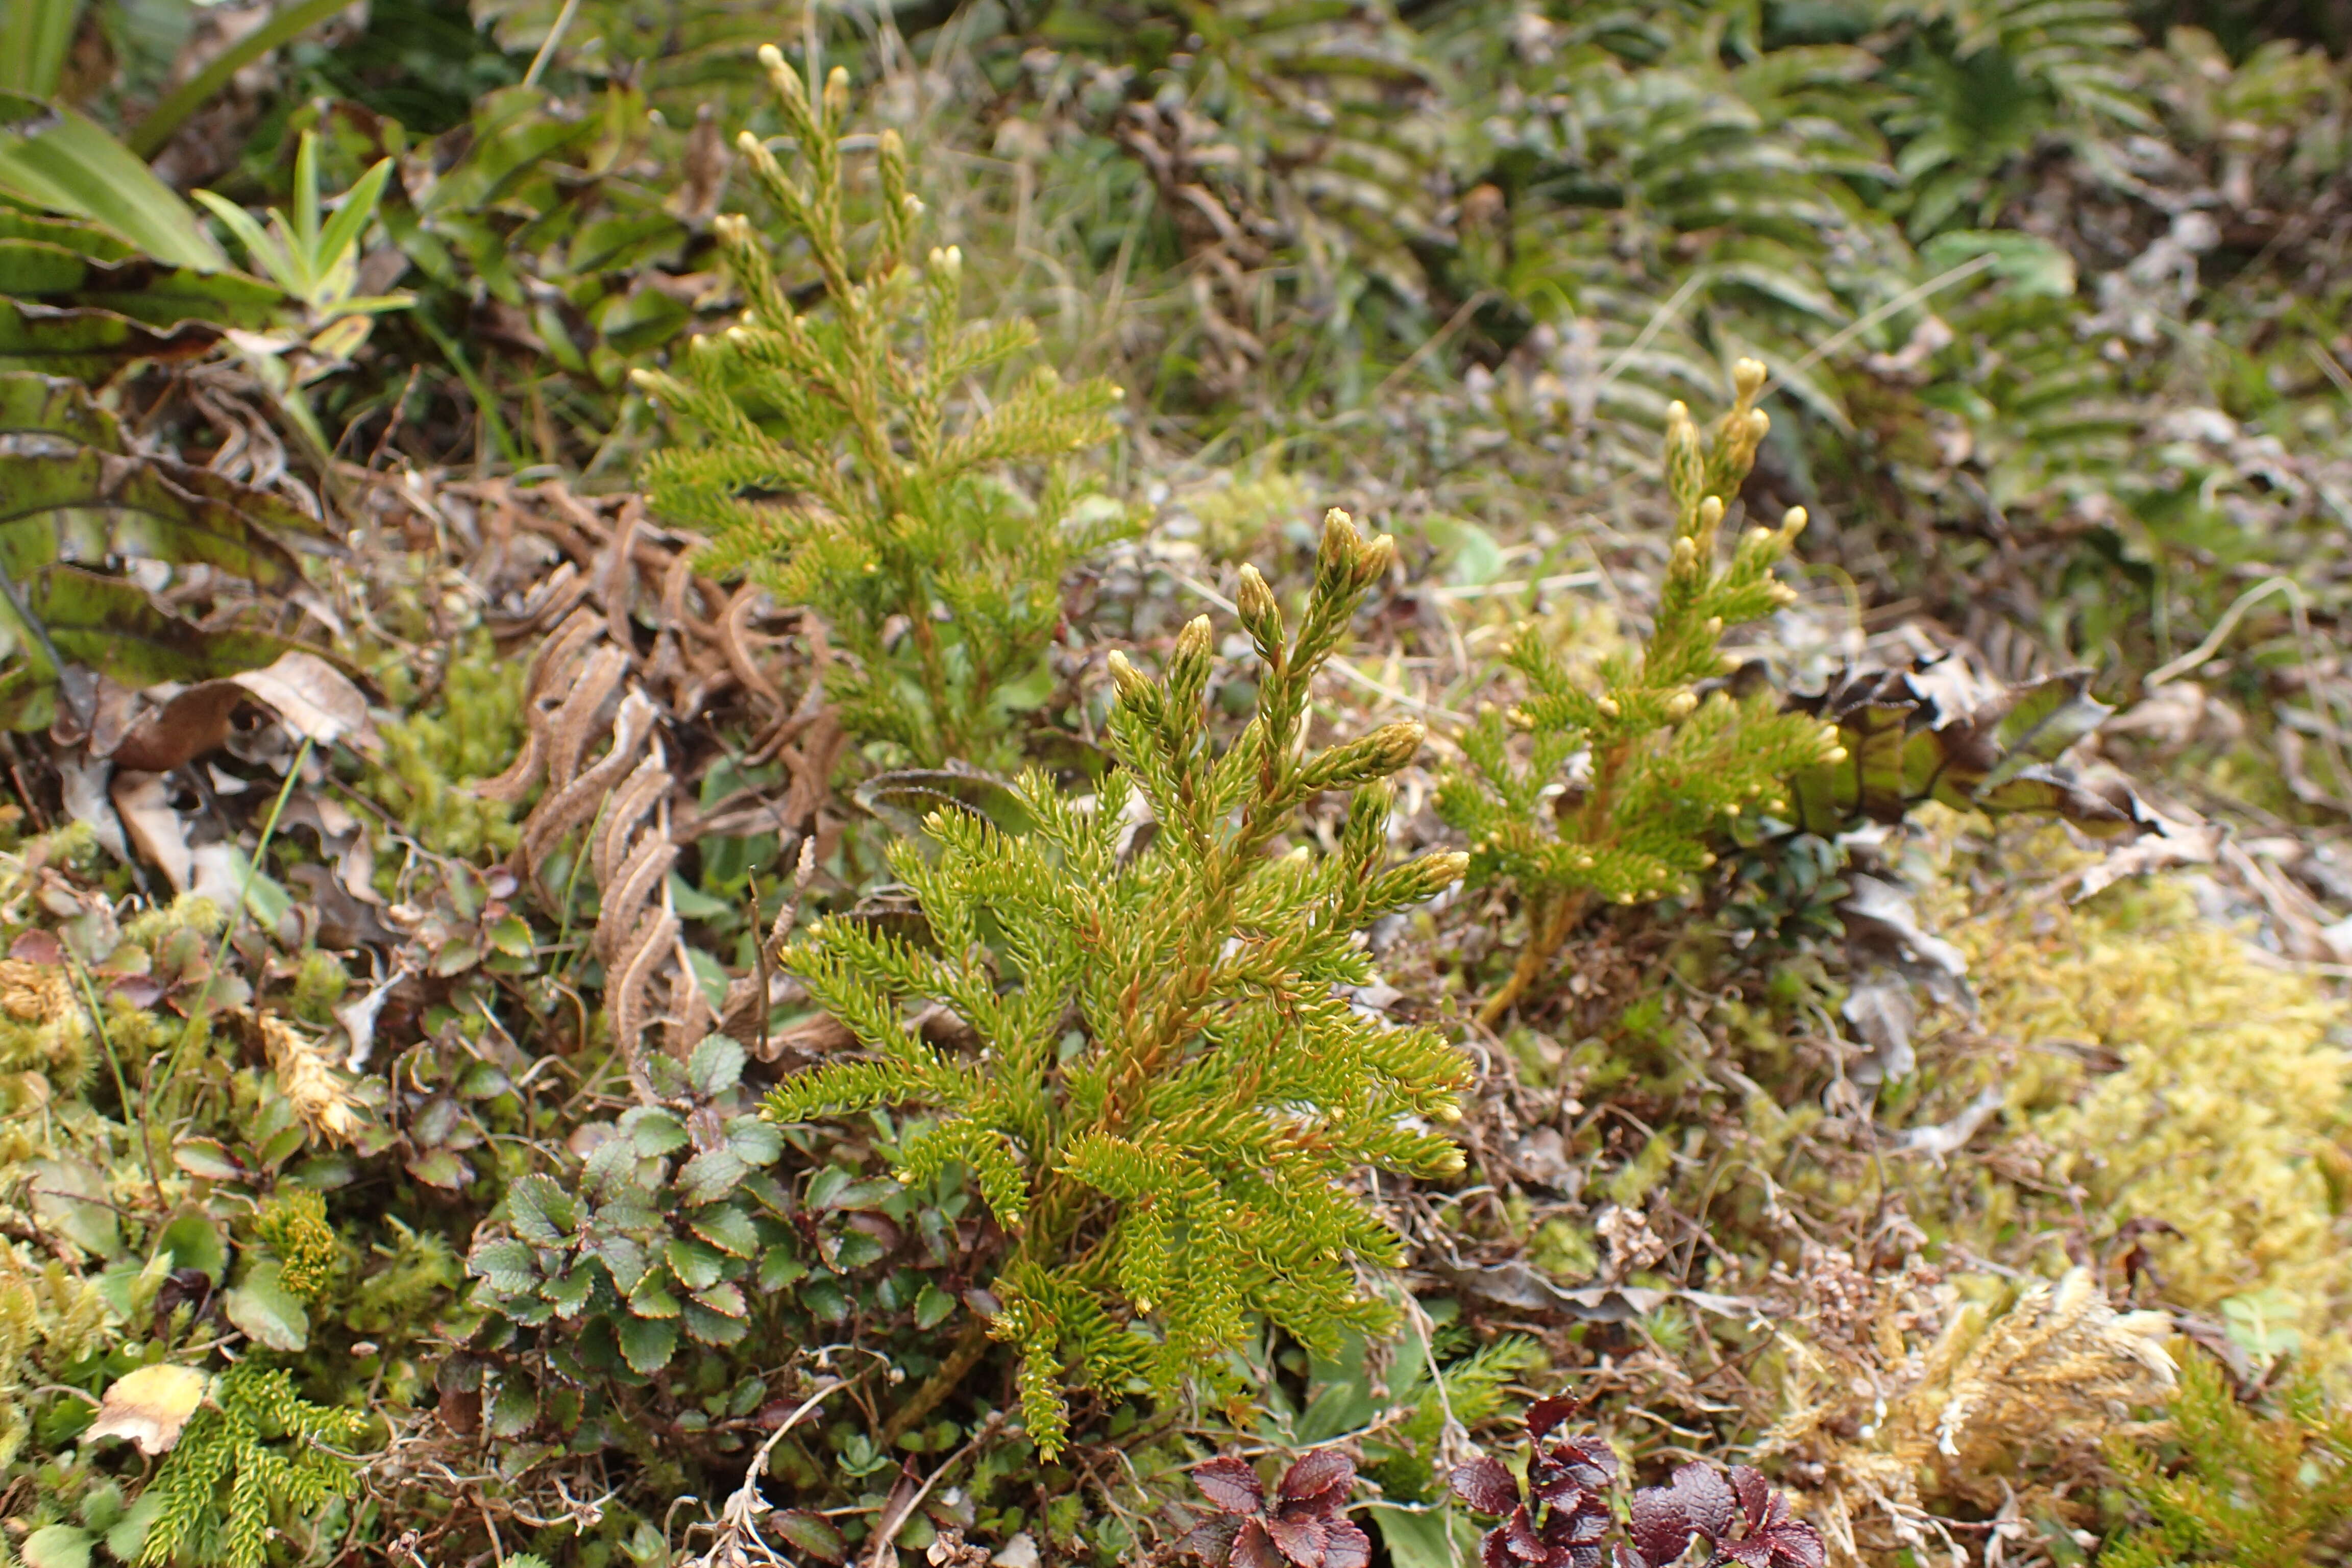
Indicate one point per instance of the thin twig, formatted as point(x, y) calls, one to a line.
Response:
point(2221, 629)
point(888, 1531)
point(741, 1516)
point(1877, 313)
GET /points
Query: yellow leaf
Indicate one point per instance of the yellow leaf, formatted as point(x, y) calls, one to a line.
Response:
point(150, 1405)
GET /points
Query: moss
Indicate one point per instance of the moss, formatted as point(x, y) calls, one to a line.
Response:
point(318, 985)
point(294, 1226)
point(2180, 1079)
point(471, 731)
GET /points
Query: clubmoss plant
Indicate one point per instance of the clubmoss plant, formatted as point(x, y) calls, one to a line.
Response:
point(1667, 768)
point(846, 465)
point(2254, 1491)
point(1166, 1096)
point(256, 1452)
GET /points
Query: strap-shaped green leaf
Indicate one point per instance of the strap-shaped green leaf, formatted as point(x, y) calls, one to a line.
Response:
point(91, 344)
point(93, 502)
point(67, 275)
point(110, 625)
point(54, 406)
point(61, 161)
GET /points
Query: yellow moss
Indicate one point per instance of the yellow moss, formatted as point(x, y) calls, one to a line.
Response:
point(295, 1225)
point(2008, 1396)
point(42, 1024)
point(2180, 1079)
point(432, 756)
point(53, 1315)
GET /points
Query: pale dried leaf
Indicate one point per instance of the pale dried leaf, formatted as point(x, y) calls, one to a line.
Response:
point(311, 698)
point(144, 808)
point(150, 1407)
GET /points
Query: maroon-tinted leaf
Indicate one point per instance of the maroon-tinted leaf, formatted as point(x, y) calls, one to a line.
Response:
point(1705, 1499)
point(1493, 1552)
point(1213, 1539)
point(1624, 1556)
point(1579, 1525)
point(1346, 1546)
point(1546, 1414)
point(1301, 1537)
point(1661, 1528)
point(1755, 1499)
point(1572, 1464)
point(1519, 1535)
point(1324, 1472)
point(1253, 1548)
point(38, 947)
point(1773, 1538)
point(1486, 1486)
point(1229, 1484)
point(1797, 1544)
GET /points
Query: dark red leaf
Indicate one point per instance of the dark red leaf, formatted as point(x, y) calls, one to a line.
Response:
point(1253, 1548)
point(1486, 1486)
point(1705, 1501)
point(1348, 1546)
point(1625, 1557)
point(1213, 1539)
point(1587, 1522)
point(1519, 1535)
point(1229, 1484)
point(1755, 1551)
point(1755, 1495)
point(1495, 1552)
point(1323, 1472)
point(1546, 1414)
point(1300, 1537)
point(1589, 1459)
point(1797, 1544)
point(1661, 1525)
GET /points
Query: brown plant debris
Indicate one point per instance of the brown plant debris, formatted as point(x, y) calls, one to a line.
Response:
point(1881, 1431)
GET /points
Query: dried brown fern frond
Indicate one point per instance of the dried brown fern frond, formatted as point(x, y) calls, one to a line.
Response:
point(2002, 1402)
point(592, 674)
